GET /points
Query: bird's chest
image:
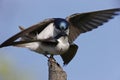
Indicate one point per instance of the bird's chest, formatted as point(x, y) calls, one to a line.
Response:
point(62, 47)
point(53, 48)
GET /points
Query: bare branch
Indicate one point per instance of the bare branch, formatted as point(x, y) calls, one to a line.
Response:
point(55, 70)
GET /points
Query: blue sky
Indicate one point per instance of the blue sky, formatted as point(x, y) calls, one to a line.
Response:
point(98, 57)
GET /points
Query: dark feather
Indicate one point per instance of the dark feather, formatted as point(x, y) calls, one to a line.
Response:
point(68, 56)
point(81, 23)
point(37, 28)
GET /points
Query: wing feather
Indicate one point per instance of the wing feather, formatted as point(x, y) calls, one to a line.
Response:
point(31, 30)
point(84, 22)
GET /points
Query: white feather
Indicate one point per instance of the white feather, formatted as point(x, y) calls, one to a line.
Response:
point(47, 32)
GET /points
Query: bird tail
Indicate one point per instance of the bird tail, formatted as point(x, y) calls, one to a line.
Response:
point(68, 56)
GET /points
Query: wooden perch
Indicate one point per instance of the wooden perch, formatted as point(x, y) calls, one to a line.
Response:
point(55, 70)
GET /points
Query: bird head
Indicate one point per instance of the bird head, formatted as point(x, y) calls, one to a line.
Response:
point(61, 26)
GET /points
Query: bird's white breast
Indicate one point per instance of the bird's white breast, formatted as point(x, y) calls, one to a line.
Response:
point(60, 48)
point(63, 45)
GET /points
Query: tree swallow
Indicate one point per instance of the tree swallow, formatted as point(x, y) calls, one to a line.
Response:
point(55, 36)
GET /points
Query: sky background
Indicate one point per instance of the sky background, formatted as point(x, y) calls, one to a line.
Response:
point(98, 57)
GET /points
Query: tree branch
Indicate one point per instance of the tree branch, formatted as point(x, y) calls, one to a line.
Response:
point(55, 70)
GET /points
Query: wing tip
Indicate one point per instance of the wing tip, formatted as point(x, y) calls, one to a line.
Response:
point(117, 11)
point(2, 45)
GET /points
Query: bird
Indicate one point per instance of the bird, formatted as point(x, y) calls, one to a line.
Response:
point(56, 36)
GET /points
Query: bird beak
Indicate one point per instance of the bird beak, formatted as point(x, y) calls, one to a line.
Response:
point(63, 33)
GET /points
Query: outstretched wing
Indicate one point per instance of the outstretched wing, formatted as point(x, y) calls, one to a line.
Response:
point(81, 23)
point(37, 28)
